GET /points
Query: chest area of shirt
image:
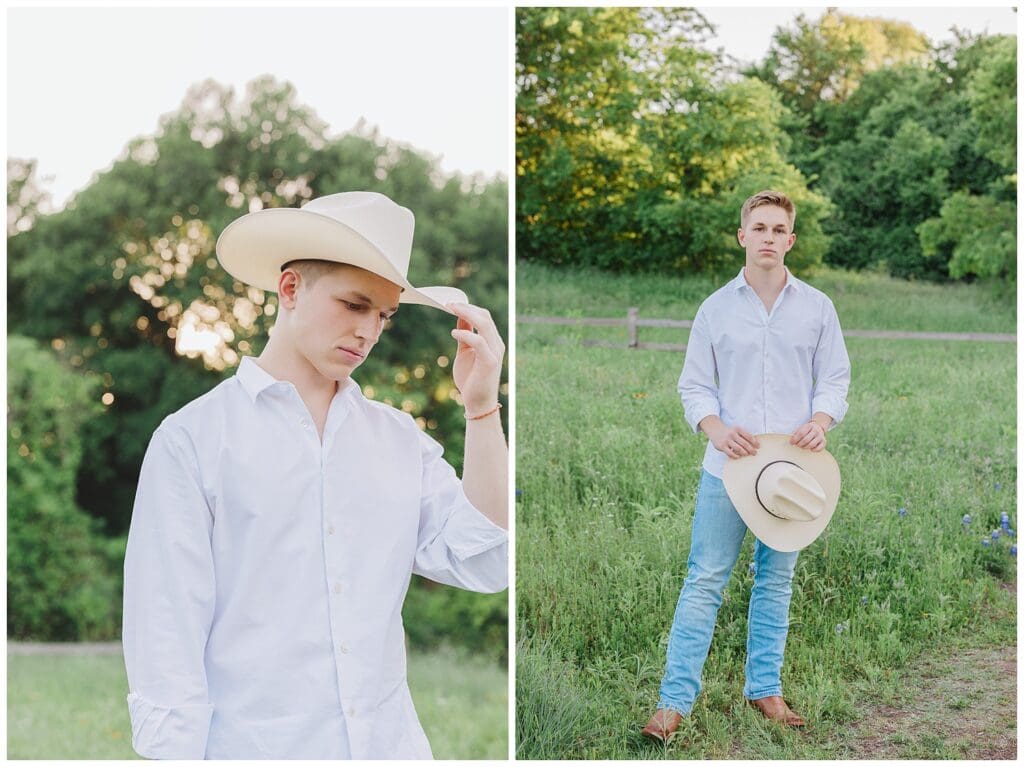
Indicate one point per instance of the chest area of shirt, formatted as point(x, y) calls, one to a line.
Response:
point(746, 332)
point(279, 475)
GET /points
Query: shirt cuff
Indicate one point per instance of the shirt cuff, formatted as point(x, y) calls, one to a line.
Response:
point(162, 732)
point(831, 406)
point(469, 532)
point(700, 412)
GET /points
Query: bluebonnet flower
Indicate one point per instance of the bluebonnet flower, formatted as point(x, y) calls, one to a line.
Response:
point(999, 486)
point(863, 600)
point(518, 493)
point(1009, 531)
point(840, 628)
point(903, 511)
point(995, 535)
point(986, 542)
point(1013, 550)
point(967, 519)
point(1004, 521)
point(751, 569)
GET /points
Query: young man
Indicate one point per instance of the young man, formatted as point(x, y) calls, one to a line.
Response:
point(765, 355)
point(279, 517)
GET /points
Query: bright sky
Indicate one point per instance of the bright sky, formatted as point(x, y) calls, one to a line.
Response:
point(83, 82)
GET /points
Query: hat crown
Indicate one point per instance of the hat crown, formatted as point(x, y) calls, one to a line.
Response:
point(790, 492)
point(377, 218)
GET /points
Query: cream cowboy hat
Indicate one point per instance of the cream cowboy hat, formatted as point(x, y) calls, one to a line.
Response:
point(785, 494)
point(365, 229)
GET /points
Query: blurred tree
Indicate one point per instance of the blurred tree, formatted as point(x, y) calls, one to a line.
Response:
point(633, 151)
point(125, 283)
point(63, 580)
point(26, 198)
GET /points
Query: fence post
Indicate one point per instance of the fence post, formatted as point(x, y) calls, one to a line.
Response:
point(631, 318)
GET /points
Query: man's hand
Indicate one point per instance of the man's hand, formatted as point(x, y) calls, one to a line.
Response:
point(734, 441)
point(477, 368)
point(810, 436)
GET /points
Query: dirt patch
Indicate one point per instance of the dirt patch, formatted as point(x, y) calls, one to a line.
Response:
point(961, 704)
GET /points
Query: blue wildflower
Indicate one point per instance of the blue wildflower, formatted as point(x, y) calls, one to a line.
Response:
point(751, 569)
point(518, 492)
point(902, 512)
point(985, 542)
point(1013, 550)
point(995, 535)
point(967, 519)
point(999, 486)
point(840, 628)
point(863, 600)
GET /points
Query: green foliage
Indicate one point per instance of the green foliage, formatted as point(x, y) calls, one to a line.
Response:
point(63, 580)
point(982, 233)
point(633, 152)
point(435, 615)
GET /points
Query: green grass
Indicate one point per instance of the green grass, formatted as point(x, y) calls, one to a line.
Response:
point(608, 471)
point(73, 707)
point(864, 301)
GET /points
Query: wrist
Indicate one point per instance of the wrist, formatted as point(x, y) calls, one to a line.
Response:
point(476, 413)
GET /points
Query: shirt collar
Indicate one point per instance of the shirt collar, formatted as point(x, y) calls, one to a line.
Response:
point(739, 281)
point(255, 379)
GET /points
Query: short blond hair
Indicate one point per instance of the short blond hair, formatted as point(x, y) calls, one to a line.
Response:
point(768, 197)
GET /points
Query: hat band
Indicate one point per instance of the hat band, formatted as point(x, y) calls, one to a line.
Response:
point(758, 481)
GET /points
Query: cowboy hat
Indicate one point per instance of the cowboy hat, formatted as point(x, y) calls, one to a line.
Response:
point(364, 229)
point(785, 494)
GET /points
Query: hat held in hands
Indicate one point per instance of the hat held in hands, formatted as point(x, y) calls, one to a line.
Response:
point(364, 229)
point(785, 494)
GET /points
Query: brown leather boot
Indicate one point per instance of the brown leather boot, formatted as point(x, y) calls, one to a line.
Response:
point(664, 722)
point(775, 708)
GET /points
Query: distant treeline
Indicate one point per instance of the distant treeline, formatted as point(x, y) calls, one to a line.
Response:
point(636, 144)
point(120, 314)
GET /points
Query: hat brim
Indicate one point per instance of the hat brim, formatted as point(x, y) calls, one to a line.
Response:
point(253, 249)
point(740, 476)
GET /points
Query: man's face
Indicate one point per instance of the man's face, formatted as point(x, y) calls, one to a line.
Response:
point(767, 237)
point(337, 320)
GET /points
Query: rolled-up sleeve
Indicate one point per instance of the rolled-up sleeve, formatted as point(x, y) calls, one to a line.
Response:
point(457, 545)
point(698, 386)
point(831, 368)
point(169, 598)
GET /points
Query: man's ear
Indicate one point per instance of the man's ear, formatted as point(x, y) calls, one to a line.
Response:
point(288, 288)
point(739, 236)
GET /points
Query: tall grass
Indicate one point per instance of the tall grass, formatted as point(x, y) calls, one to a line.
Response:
point(608, 471)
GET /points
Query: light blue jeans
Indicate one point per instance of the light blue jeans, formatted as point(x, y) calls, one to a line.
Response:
point(718, 532)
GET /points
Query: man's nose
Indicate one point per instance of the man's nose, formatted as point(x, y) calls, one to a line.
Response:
point(370, 328)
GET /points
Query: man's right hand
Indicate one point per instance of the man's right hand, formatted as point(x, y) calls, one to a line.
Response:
point(734, 441)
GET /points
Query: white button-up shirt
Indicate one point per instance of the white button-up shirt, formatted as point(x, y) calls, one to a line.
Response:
point(266, 571)
point(768, 372)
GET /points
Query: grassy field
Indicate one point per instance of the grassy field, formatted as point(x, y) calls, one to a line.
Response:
point(864, 301)
point(608, 472)
point(73, 707)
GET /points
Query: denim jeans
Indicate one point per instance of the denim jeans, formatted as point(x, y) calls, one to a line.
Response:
point(718, 532)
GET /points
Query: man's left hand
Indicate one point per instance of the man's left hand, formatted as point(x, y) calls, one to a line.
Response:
point(477, 368)
point(810, 436)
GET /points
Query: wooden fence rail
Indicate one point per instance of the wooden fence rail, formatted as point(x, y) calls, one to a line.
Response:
point(633, 322)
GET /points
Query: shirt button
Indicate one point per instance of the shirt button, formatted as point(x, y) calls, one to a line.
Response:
point(304, 423)
point(351, 712)
point(337, 588)
point(330, 530)
point(343, 649)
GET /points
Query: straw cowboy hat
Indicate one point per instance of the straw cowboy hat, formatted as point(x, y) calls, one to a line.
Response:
point(364, 229)
point(785, 494)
